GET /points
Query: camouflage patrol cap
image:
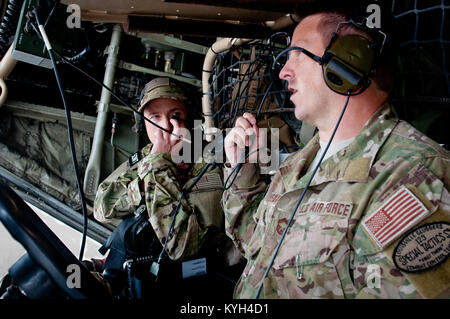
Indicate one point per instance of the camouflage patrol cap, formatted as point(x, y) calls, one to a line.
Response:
point(161, 88)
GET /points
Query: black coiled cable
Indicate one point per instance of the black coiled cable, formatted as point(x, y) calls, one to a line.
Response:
point(9, 24)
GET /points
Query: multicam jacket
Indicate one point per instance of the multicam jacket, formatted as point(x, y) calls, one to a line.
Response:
point(200, 212)
point(336, 245)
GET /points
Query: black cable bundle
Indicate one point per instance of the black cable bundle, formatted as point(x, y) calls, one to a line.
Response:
point(9, 24)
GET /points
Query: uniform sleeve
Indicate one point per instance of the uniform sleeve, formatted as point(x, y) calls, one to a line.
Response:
point(429, 181)
point(112, 202)
point(162, 192)
point(240, 202)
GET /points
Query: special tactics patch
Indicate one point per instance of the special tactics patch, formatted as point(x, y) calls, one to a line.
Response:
point(423, 248)
point(134, 159)
point(396, 215)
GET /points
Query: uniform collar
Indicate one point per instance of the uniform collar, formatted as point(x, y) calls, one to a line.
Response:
point(146, 149)
point(351, 164)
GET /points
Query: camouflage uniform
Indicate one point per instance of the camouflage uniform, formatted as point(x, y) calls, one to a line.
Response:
point(199, 214)
point(327, 252)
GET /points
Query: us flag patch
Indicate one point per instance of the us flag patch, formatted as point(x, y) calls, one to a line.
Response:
point(398, 213)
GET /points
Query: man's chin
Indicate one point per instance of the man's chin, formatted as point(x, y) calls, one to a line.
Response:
point(302, 117)
point(298, 114)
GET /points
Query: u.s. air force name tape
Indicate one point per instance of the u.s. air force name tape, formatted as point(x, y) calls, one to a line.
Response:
point(423, 248)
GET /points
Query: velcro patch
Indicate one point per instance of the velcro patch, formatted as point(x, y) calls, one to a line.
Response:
point(396, 215)
point(210, 182)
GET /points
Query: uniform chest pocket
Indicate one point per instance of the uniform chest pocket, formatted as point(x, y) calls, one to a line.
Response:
point(311, 240)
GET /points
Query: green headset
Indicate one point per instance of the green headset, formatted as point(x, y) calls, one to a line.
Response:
point(349, 62)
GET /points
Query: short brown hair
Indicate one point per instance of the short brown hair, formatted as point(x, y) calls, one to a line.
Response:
point(334, 13)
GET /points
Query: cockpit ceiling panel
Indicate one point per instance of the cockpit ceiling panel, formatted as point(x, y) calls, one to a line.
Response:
point(243, 11)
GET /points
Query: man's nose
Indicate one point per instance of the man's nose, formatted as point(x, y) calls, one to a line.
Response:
point(286, 72)
point(165, 123)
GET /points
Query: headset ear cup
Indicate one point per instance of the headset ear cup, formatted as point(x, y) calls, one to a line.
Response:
point(333, 80)
point(349, 65)
point(341, 78)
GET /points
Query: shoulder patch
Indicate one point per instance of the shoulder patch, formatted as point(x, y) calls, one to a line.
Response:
point(396, 215)
point(423, 248)
point(134, 159)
